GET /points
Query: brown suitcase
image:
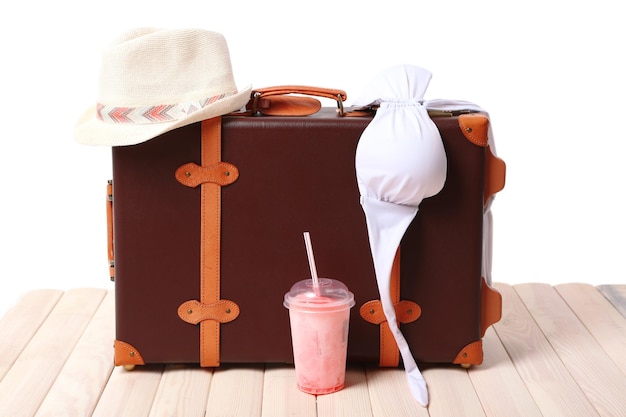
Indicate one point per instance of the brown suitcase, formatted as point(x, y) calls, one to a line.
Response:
point(287, 175)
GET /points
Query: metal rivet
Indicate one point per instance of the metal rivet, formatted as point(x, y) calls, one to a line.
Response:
point(228, 311)
point(227, 173)
point(187, 174)
point(189, 311)
point(468, 129)
point(132, 354)
point(372, 311)
point(464, 354)
point(409, 312)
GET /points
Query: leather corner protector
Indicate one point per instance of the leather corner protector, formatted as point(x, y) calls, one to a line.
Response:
point(495, 174)
point(126, 354)
point(475, 127)
point(406, 312)
point(192, 175)
point(194, 312)
point(471, 354)
point(490, 307)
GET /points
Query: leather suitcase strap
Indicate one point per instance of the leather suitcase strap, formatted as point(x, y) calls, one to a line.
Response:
point(406, 312)
point(210, 311)
point(389, 352)
point(210, 243)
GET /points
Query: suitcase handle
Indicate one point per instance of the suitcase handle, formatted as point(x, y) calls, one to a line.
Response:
point(282, 104)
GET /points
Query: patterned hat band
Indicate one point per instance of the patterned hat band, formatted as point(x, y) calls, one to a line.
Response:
point(161, 113)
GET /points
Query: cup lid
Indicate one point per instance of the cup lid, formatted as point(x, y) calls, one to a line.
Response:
point(329, 294)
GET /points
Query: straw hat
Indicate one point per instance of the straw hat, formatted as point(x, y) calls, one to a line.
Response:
point(155, 80)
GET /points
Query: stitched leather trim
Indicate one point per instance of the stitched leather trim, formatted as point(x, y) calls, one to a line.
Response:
point(192, 175)
point(288, 106)
point(475, 127)
point(389, 351)
point(372, 312)
point(110, 238)
point(126, 354)
point(292, 106)
point(210, 243)
point(406, 312)
point(332, 93)
point(194, 312)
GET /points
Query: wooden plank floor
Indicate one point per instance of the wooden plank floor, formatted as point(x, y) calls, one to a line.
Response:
point(558, 351)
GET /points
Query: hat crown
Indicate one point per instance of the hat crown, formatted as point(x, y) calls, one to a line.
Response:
point(154, 66)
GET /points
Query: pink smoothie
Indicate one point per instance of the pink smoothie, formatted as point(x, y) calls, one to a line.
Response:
point(319, 332)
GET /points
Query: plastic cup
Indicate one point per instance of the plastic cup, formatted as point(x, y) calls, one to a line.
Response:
point(319, 318)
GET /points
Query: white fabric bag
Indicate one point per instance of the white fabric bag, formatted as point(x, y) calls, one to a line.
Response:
point(400, 160)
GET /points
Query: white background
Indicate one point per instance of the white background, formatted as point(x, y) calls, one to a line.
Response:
point(551, 74)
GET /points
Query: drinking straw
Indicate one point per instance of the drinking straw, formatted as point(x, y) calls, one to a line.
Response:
point(309, 252)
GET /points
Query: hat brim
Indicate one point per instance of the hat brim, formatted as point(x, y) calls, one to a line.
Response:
point(90, 130)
